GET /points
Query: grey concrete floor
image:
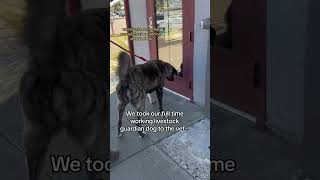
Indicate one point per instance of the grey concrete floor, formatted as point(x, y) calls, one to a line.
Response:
point(154, 157)
point(171, 155)
point(258, 155)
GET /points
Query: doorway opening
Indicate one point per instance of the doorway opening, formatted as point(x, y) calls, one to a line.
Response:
point(174, 44)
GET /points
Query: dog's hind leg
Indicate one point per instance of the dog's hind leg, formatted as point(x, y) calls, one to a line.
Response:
point(150, 98)
point(36, 141)
point(40, 122)
point(141, 107)
point(159, 92)
point(89, 126)
point(121, 108)
point(93, 137)
point(99, 151)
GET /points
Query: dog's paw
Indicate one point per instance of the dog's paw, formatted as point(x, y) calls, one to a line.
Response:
point(151, 99)
point(120, 134)
point(142, 134)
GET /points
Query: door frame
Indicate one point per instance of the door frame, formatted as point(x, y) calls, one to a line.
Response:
point(182, 86)
point(128, 24)
point(258, 57)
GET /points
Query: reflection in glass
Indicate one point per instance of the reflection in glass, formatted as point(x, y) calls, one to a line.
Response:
point(169, 22)
point(222, 23)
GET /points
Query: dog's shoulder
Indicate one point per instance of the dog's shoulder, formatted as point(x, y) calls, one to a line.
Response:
point(151, 68)
point(158, 64)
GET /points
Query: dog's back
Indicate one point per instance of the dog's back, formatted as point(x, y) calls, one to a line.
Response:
point(142, 78)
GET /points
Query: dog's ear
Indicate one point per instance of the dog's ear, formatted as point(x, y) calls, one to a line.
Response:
point(170, 72)
point(174, 71)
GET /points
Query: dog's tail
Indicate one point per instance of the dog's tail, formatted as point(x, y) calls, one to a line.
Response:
point(41, 27)
point(124, 64)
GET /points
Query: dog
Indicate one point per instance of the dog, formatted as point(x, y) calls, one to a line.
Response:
point(64, 86)
point(181, 70)
point(137, 81)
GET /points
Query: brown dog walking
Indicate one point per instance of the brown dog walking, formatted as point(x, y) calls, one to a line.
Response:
point(136, 81)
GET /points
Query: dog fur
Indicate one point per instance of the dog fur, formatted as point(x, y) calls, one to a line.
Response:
point(139, 80)
point(64, 86)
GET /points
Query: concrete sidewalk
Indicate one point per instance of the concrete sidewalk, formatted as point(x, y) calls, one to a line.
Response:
point(167, 155)
point(178, 155)
point(12, 162)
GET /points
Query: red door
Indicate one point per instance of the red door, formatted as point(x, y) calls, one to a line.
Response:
point(174, 44)
point(239, 74)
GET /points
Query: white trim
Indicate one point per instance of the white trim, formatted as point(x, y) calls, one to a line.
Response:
point(113, 90)
point(177, 94)
point(233, 110)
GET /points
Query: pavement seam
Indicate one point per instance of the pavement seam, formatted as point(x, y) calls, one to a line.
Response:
point(9, 141)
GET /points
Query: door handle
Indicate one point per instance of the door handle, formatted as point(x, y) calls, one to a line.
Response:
point(190, 36)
